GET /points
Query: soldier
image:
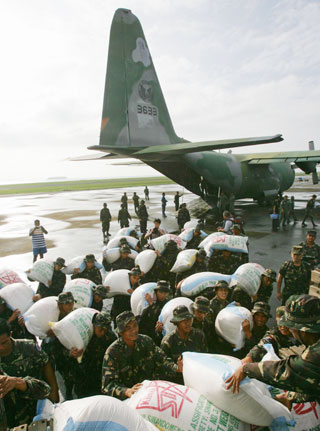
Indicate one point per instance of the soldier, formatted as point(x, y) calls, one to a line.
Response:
point(88, 372)
point(56, 284)
point(124, 200)
point(298, 374)
point(123, 217)
point(309, 211)
point(146, 193)
point(143, 217)
point(124, 261)
point(311, 250)
point(223, 202)
point(284, 211)
point(122, 302)
point(156, 231)
point(105, 218)
point(184, 338)
point(264, 293)
point(200, 265)
point(296, 275)
point(261, 314)
point(14, 318)
point(201, 309)
point(91, 272)
point(241, 298)
point(196, 239)
point(133, 358)
point(25, 376)
point(168, 259)
point(177, 197)
point(100, 293)
point(163, 204)
point(135, 199)
point(219, 302)
point(148, 323)
point(223, 262)
point(292, 212)
point(279, 337)
point(275, 214)
point(183, 216)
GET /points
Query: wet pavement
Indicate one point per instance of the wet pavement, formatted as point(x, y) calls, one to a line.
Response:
point(74, 229)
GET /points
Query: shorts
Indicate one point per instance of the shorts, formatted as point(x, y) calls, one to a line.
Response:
point(40, 250)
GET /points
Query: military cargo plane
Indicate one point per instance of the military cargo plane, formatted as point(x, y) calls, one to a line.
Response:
point(136, 124)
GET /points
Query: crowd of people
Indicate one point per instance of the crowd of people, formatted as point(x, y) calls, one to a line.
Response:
point(126, 349)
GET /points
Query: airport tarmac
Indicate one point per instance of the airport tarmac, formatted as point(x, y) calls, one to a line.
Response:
point(74, 228)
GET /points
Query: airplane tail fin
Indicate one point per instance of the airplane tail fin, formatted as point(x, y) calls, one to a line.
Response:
point(134, 110)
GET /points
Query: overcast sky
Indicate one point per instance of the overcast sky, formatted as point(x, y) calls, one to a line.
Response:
point(227, 68)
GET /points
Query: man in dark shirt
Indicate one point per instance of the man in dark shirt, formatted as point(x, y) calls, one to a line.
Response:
point(311, 250)
point(124, 261)
point(91, 272)
point(105, 218)
point(56, 284)
point(143, 217)
point(309, 211)
point(99, 293)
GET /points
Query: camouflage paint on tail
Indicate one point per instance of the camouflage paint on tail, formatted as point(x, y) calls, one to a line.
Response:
point(134, 110)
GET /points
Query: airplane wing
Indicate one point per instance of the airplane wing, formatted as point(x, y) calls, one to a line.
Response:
point(289, 157)
point(97, 156)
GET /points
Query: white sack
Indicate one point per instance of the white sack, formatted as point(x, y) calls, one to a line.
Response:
point(81, 289)
point(8, 276)
point(118, 281)
point(196, 283)
point(113, 254)
point(97, 413)
point(160, 243)
point(233, 243)
point(229, 324)
point(185, 260)
point(41, 271)
point(207, 373)
point(73, 264)
point(187, 234)
point(186, 409)
point(190, 224)
point(146, 260)
point(39, 315)
point(138, 298)
point(126, 231)
point(167, 312)
point(76, 329)
point(18, 296)
point(115, 242)
point(248, 277)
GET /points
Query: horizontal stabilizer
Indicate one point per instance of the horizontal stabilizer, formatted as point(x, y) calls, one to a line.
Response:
point(97, 156)
point(289, 157)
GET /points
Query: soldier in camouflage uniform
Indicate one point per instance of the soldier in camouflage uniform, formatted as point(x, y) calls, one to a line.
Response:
point(264, 293)
point(133, 358)
point(148, 322)
point(105, 218)
point(309, 211)
point(196, 239)
point(88, 372)
point(218, 303)
point(311, 250)
point(298, 374)
point(200, 265)
point(284, 211)
point(91, 272)
point(15, 319)
point(201, 309)
point(168, 259)
point(224, 262)
point(184, 338)
point(56, 284)
point(99, 293)
point(143, 216)
point(296, 275)
point(241, 297)
point(183, 215)
point(123, 217)
point(261, 314)
point(23, 368)
point(124, 200)
point(279, 337)
point(124, 261)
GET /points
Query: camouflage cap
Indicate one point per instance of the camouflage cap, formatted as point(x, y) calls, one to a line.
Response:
point(270, 273)
point(123, 241)
point(90, 258)
point(135, 271)
point(181, 313)
point(171, 244)
point(100, 290)
point(65, 298)
point(221, 285)
point(101, 319)
point(302, 313)
point(163, 286)
point(201, 304)
point(280, 310)
point(123, 319)
point(125, 249)
point(297, 249)
point(60, 261)
point(201, 253)
point(312, 232)
point(2, 301)
point(261, 307)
